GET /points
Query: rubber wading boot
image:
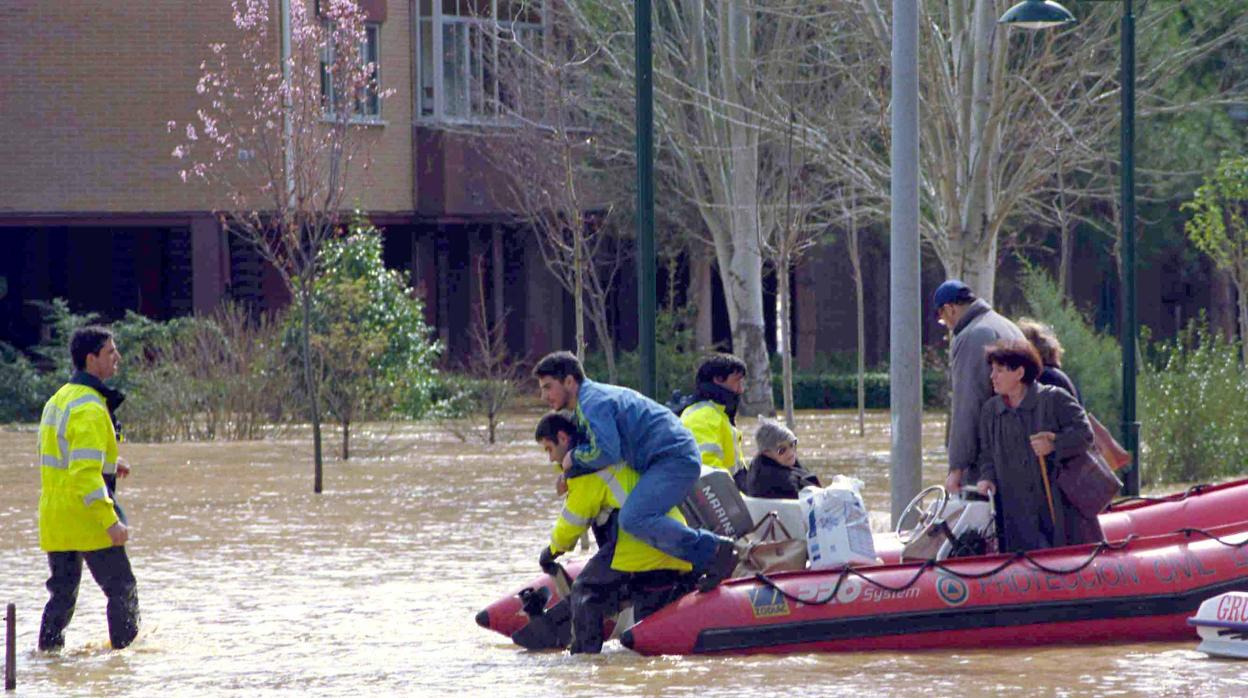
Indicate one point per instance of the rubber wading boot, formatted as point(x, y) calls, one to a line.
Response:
point(547, 631)
point(722, 565)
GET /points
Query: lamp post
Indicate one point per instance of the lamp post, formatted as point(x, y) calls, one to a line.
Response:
point(905, 361)
point(646, 274)
point(1043, 14)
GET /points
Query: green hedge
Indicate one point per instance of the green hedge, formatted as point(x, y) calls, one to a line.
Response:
point(824, 391)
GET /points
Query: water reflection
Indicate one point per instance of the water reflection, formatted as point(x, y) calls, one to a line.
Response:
point(251, 584)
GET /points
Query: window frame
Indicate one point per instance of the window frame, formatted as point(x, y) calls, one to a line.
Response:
point(473, 84)
point(372, 35)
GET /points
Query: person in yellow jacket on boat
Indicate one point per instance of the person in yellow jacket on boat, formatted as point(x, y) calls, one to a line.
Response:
point(624, 569)
point(77, 519)
point(712, 417)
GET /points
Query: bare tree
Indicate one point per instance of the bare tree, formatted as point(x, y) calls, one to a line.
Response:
point(543, 148)
point(992, 96)
point(707, 80)
point(497, 372)
point(275, 135)
point(794, 235)
point(854, 244)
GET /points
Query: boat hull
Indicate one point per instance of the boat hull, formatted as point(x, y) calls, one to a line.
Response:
point(1143, 590)
point(997, 618)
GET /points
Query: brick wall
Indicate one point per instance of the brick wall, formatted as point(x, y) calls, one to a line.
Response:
point(87, 86)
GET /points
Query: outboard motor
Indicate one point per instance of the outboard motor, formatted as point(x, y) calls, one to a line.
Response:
point(715, 504)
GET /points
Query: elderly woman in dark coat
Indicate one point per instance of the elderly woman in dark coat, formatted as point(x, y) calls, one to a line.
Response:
point(1026, 432)
point(775, 472)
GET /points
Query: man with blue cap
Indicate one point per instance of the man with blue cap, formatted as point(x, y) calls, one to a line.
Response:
point(975, 326)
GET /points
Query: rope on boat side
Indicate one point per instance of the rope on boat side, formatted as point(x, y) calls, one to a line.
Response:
point(1101, 547)
point(1176, 497)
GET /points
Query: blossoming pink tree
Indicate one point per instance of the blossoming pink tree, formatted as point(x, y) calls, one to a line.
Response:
point(276, 137)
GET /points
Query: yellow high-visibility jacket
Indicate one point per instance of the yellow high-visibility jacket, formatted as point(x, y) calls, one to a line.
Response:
point(598, 494)
point(76, 444)
point(718, 440)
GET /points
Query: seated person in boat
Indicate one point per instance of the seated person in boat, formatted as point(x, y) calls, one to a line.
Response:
point(1026, 432)
point(712, 419)
point(624, 569)
point(775, 472)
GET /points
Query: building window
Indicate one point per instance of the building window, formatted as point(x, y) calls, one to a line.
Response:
point(463, 48)
point(367, 103)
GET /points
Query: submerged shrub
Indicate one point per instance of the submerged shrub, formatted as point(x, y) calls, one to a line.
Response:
point(1194, 408)
point(21, 398)
point(219, 376)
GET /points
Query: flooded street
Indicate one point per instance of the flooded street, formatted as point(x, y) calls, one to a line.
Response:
point(250, 584)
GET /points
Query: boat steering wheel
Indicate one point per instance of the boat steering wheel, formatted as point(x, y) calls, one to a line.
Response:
point(921, 513)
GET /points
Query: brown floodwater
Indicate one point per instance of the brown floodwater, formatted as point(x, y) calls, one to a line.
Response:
point(250, 584)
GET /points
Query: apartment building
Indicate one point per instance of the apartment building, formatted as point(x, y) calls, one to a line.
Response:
point(92, 208)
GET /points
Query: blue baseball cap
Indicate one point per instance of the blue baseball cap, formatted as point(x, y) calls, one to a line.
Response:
point(952, 291)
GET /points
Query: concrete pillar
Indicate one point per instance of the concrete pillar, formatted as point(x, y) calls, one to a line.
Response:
point(497, 269)
point(425, 273)
point(543, 303)
point(443, 286)
point(210, 264)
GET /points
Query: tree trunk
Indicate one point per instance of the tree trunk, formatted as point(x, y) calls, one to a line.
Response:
point(1222, 303)
point(602, 330)
point(346, 439)
point(310, 383)
point(1064, 281)
point(700, 280)
point(743, 286)
point(855, 260)
point(977, 268)
point(1241, 285)
point(786, 355)
point(578, 258)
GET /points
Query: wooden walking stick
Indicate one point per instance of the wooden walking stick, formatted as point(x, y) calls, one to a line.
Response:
point(1048, 491)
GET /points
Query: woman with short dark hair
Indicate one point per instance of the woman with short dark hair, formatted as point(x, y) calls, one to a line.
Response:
point(1027, 430)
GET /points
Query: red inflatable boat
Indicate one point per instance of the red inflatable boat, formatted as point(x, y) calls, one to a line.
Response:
point(1169, 554)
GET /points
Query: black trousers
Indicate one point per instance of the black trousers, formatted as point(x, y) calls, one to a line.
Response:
point(600, 591)
point(111, 569)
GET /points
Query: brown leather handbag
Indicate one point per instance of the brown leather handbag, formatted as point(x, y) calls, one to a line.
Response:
point(771, 548)
point(1088, 482)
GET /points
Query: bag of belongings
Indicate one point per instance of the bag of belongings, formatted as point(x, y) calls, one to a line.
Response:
point(838, 527)
point(770, 547)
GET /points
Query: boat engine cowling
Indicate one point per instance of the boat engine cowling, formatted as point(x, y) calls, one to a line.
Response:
point(715, 504)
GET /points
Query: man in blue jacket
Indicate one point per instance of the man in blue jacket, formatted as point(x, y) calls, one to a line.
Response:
point(621, 425)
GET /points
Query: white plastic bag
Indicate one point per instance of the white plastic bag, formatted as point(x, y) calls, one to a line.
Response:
point(838, 527)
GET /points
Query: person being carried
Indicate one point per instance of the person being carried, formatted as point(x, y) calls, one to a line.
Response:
point(712, 418)
point(624, 569)
point(775, 472)
point(621, 425)
point(77, 517)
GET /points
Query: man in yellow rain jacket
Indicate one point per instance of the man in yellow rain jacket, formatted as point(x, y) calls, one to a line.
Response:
point(77, 520)
point(624, 569)
point(712, 418)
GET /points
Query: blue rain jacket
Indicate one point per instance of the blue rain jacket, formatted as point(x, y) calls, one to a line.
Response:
point(621, 425)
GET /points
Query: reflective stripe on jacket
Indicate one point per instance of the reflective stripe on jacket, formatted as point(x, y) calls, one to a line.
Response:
point(599, 492)
point(719, 441)
point(77, 445)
